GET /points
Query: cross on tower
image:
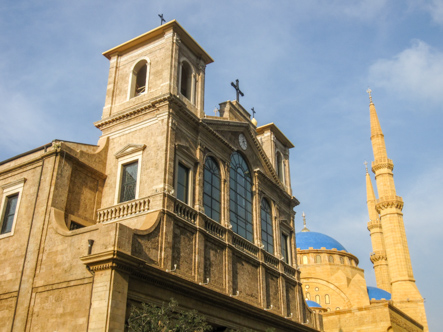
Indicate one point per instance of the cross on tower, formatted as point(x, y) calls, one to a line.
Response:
point(162, 20)
point(253, 112)
point(237, 89)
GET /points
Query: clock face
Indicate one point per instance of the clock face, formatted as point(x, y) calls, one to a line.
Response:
point(242, 141)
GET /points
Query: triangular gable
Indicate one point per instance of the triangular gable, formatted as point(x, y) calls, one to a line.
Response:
point(130, 149)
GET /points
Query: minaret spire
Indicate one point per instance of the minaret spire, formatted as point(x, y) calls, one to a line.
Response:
point(405, 293)
point(378, 255)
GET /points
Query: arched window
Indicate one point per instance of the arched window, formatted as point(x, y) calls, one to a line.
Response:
point(211, 192)
point(327, 299)
point(317, 299)
point(331, 259)
point(318, 259)
point(308, 296)
point(139, 79)
point(186, 87)
point(240, 196)
point(305, 259)
point(280, 168)
point(342, 261)
point(267, 237)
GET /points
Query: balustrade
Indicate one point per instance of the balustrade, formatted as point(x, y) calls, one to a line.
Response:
point(123, 210)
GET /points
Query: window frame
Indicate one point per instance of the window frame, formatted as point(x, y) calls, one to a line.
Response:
point(133, 78)
point(193, 81)
point(236, 212)
point(265, 243)
point(286, 237)
point(123, 161)
point(9, 190)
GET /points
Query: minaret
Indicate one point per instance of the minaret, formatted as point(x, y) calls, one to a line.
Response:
point(378, 255)
point(405, 294)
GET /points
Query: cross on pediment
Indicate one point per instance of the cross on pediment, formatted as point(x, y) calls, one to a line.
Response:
point(162, 20)
point(237, 89)
point(253, 112)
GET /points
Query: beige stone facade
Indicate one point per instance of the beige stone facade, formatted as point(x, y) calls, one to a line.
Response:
point(85, 242)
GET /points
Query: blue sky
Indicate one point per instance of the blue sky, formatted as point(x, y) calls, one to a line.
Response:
point(304, 65)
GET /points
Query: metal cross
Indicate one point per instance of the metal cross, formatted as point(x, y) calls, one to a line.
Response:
point(162, 20)
point(369, 92)
point(215, 111)
point(253, 112)
point(237, 88)
point(366, 166)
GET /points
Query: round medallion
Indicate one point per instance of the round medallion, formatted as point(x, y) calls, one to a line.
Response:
point(242, 141)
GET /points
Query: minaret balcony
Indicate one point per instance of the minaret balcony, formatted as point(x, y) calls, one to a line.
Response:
point(374, 225)
point(387, 202)
point(378, 256)
point(382, 163)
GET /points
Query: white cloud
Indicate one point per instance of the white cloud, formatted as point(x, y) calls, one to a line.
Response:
point(435, 9)
point(416, 72)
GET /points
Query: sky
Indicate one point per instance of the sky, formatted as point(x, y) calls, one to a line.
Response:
point(304, 65)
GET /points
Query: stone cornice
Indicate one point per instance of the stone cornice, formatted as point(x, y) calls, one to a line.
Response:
point(137, 111)
point(113, 259)
point(389, 202)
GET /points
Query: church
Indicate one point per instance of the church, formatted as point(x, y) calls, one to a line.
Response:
point(175, 203)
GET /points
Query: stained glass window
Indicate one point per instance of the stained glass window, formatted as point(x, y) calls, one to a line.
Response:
point(211, 192)
point(240, 195)
point(8, 216)
point(267, 237)
point(129, 181)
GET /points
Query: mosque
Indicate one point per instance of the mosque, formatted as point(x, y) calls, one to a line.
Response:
point(334, 285)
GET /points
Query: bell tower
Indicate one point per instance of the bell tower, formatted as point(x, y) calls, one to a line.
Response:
point(162, 62)
point(389, 233)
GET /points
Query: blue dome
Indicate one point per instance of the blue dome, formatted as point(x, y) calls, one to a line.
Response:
point(378, 294)
point(306, 240)
point(313, 304)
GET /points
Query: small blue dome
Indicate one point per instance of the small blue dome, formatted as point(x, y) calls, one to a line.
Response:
point(306, 240)
point(313, 304)
point(378, 294)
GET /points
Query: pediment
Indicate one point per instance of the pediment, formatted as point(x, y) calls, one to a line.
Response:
point(130, 149)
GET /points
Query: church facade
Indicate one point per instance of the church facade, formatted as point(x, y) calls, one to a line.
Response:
point(333, 283)
point(171, 203)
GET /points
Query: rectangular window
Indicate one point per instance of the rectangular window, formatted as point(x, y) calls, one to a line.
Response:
point(9, 206)
point(129, 182)
point(183, 183)
point(285, 248)
point(9, 214)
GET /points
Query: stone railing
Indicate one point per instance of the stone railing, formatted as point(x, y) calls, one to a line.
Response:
point(244, 245)
point(123, 210)
point(289, 270)
point(269, 259)
point(185, 211)
point(215, 228)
